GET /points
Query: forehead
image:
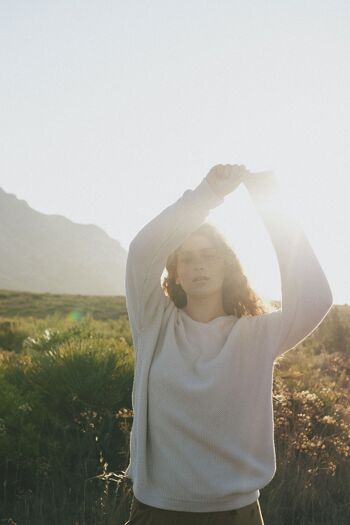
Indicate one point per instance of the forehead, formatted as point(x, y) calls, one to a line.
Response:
point(195, 243)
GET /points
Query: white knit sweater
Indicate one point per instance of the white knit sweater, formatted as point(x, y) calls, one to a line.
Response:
point(202, 437)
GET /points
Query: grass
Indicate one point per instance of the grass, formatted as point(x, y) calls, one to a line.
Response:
point(65, 417)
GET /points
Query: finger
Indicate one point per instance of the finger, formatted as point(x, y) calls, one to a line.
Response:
point(238, 166)
point(227, 171)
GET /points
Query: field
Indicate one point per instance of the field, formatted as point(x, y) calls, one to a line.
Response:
point(66, 372)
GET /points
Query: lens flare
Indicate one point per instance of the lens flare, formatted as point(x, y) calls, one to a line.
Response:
point(74, 315)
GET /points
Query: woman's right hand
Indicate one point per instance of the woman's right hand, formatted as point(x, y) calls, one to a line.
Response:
point(224, 178)
point(260, 182)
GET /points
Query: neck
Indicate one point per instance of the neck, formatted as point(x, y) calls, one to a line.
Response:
point(204, 309)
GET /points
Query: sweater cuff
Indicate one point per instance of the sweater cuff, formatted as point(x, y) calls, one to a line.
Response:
point(204, 196)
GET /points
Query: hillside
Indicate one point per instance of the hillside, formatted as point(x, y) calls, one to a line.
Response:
point(50, 253)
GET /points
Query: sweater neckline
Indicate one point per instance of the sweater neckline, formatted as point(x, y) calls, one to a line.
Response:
point(208, 322)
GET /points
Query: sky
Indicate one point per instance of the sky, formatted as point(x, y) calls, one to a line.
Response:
point(110, 110)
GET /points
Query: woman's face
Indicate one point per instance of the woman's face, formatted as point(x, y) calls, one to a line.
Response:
point(198, 258)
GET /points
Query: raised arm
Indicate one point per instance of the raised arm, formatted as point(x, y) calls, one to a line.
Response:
point(150, 248)
point(306, 294)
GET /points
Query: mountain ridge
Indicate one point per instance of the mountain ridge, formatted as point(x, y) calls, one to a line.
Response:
point(50, 253)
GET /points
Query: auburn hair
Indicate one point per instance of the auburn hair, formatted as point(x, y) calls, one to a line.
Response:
point(238, 297)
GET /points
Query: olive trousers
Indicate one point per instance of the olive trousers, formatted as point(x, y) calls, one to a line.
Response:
point(142, 514)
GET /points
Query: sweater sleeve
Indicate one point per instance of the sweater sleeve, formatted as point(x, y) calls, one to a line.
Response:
point(150, 248)
point(306, 294)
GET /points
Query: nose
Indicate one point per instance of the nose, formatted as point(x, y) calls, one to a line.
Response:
point(199, 263)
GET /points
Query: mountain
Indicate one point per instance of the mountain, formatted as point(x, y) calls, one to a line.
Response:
point(50, 253)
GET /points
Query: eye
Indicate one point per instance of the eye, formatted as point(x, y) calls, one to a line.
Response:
point(210, 256)
point(186, 260)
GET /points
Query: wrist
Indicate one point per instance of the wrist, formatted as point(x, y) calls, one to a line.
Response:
point(214, 188)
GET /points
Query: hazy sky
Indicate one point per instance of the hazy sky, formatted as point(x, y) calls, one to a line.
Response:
point(110, 110)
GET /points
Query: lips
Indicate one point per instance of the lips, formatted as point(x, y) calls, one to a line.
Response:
point(201, 278)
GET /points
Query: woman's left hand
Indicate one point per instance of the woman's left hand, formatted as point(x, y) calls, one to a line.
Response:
point(225, 178)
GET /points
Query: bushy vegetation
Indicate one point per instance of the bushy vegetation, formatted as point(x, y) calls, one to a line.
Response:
point(65, 406)
point(65, 419)
point(39, 306)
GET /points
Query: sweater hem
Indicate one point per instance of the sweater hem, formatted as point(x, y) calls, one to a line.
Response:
point(231, 502)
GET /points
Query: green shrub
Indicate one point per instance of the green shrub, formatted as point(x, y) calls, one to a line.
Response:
point(11, 336)
point(59, 417)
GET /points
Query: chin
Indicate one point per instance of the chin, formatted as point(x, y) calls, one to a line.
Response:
point(203, 292)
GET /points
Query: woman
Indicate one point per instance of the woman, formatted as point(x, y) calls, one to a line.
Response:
point(201, 444)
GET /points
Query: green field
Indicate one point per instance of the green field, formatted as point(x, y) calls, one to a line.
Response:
point(66, 372)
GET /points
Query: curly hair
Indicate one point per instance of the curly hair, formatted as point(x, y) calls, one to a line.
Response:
point(239, 299)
